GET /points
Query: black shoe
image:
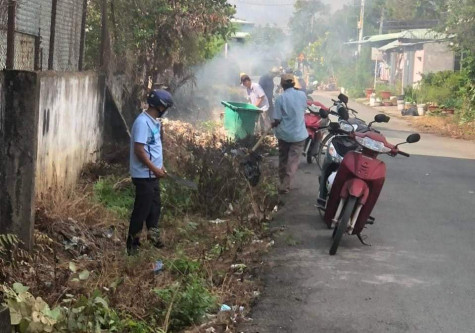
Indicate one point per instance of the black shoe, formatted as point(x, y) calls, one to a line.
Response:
point(133, 244)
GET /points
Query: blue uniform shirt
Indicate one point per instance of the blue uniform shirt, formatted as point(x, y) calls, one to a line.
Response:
point(145, 130)
point(290, 110)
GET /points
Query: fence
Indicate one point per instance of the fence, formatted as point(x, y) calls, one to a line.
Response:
point(27, 54)
point(47, 34)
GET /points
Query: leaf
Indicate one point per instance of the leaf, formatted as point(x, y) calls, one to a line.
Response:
point(15, 316)
point(19, 288)
point(103, 302)
point(72, 267)
point(84, 275)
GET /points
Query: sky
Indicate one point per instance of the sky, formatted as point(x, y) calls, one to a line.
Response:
point(273, 12)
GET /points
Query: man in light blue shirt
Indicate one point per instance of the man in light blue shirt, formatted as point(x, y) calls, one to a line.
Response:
point(290, 130)
point(146, 167)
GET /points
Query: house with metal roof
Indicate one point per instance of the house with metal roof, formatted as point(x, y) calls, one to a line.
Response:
point(404, 56)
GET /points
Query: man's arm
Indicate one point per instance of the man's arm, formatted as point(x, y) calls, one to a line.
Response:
point(277, 112)
point(260, 95)
point(139, 150)
point(258, 101)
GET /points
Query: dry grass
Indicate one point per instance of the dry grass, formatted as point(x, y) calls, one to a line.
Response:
point(446, 125)
point(72, 226)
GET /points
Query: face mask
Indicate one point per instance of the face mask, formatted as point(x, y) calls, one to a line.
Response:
point(163, 114)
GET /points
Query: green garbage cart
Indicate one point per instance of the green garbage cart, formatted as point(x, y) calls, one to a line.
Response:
point(239, 119)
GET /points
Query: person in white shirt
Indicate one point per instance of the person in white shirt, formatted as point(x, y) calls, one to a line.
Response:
point(257, 97)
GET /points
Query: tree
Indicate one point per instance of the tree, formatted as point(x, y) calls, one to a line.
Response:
point(152, 37)
point(304, 24)
point(459, 20)
point(409, 10)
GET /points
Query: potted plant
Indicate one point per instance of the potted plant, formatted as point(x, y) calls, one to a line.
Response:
point(421, 99)
point(450, 105)
point(385, 94)
point(368, 92)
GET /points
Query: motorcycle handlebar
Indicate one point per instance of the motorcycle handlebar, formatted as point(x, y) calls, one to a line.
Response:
point(403, 154)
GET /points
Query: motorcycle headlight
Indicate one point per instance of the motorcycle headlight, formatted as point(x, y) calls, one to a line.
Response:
point(373, 145)
point(333, 154)
point(346, 127)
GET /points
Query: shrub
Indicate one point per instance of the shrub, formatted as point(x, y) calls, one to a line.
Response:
point(117, 195)
point(185, 303)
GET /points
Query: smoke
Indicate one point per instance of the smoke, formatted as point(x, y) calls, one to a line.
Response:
point(219, 79)
point(274, 12)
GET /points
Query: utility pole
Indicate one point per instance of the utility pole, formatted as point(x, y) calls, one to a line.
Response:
point(381, 23)
point(10, 61)
point(104, 34)
point(83, 36)
point(360, 26)
point(52, 34)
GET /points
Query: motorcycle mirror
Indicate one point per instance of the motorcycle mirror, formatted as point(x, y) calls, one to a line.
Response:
point(413, 138)
point(323, 113)
point(343, 113)
point(343, 98)
point(381, 118)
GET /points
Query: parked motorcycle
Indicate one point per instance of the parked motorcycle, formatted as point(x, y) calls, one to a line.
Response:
point(336, 144)
point(341, 110)
point(357, 184)
point(315, 125)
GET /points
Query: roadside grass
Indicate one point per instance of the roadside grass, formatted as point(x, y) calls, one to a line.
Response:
point(213, 239)
point(445, 125)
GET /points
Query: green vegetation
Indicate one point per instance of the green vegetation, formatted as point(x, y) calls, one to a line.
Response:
point(150, 37)
point(330, 58)
point(188, 299)
point(79, 277)
point(117, 196)
point(31, 314)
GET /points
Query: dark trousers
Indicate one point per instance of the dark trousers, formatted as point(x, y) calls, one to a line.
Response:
point(289, 159)
point(147, 205)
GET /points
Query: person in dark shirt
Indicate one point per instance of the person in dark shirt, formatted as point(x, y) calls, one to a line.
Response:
point(267, 83)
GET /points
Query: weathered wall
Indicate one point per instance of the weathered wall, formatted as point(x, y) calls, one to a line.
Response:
point(438, 57)
point(70, 126)
point(418, 66)
point(18, 147)
point(2, 155)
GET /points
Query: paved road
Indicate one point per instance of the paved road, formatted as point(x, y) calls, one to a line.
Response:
point(419, 275)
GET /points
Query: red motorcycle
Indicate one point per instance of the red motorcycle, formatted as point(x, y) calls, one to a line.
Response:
point(358, 183)
point(314, 123)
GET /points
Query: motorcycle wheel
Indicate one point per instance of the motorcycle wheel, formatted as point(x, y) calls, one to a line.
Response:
point(322, 150)
point(342, 224)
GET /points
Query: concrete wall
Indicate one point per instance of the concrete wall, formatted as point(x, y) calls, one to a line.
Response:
point(51, 125)
point(70, 126)
point(438, 57)
point(18, 154)
point(418, 66)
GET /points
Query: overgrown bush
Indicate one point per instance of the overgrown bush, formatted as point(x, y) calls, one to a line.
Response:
point(80, 242)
